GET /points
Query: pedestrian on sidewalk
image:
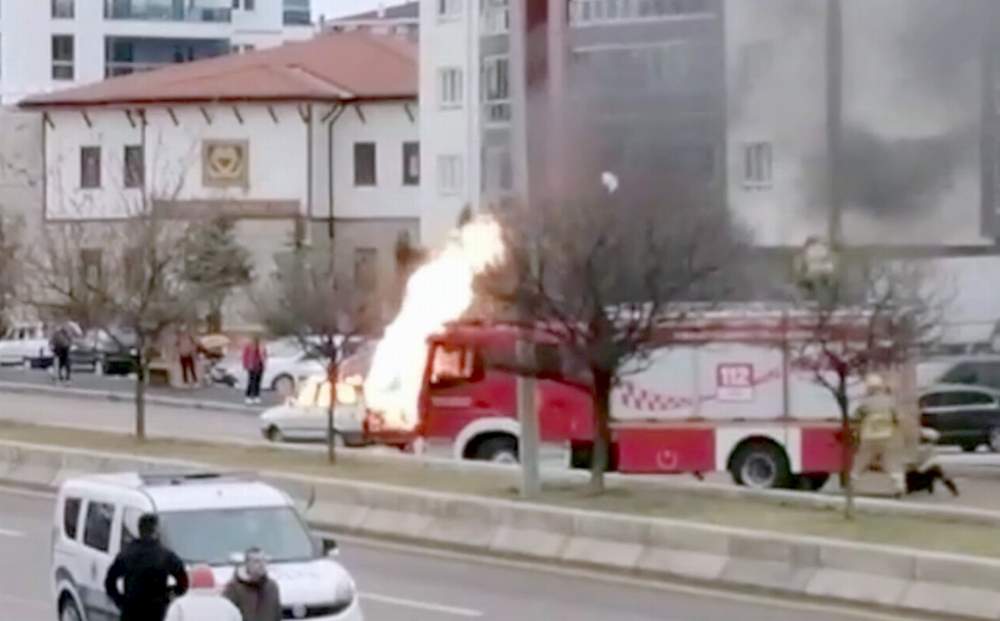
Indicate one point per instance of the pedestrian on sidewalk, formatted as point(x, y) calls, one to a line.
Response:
point(254, 362)
point(254, 592)
point(187, 349)
point(60, 344)
point(202, 602)
point(144, 567)
point(880, 440)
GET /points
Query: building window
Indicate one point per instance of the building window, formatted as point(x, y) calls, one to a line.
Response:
point(411, 163)
point(90, 167)
point(244, 48)
point(246, 5)
point(91, 269)
point(62, 57)
point(364, 164)
point(498, 169)
point(134, 166)
point(450, 87)
point(757, 165)
point(63, 9)
point(496, 89)
point(450, 174)
point(449, 8)
point(365, 273)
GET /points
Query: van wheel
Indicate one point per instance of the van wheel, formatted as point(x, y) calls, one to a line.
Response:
point(812, 482)
point(274, 434)
point(284, 385)
point(761, 465)
point(500, 450)
point(68, 610)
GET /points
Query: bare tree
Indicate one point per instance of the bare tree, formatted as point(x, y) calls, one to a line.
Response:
point(601, 278)
point(869, 315)
point(305, 298)
point(121, 277)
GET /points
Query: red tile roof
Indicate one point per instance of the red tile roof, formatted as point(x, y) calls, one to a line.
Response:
point(348, 66)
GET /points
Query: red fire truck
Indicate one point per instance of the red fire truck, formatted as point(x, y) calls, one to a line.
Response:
point(724, 391)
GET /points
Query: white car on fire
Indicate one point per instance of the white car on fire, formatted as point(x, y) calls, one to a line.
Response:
point(304, 417)
point(205, 518)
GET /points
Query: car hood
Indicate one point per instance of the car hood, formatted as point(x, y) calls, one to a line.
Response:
point(311, 582)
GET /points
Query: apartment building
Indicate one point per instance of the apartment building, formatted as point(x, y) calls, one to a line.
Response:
point(400, 19)
point(606, 71)
point(48, 45)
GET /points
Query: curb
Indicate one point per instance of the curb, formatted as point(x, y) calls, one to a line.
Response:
point(119, 396)
point(889, 578)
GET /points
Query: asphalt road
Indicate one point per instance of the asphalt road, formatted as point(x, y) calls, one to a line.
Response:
point(416, 585)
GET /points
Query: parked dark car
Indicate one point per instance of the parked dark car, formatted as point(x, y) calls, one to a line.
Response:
point(981, 370)
point(105, 353)
point(965, 416)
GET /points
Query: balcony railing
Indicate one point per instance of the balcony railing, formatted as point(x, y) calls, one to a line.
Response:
point(584, 12)
point(113, 69)
point(496, 19)
point(496, 113)
point(165, 11)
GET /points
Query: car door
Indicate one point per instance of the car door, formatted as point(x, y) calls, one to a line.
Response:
point(100, 544)
point(6, 345)
point(977, 413)
point(938, 412)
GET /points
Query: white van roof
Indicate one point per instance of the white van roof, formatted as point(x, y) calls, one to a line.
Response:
point(189, 491)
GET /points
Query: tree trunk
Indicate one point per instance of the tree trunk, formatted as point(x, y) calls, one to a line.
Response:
point(142, 371)
point(331, 432)
point(602, 429)
point(847, 449)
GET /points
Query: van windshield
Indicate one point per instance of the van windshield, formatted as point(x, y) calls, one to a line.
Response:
point(213, 536)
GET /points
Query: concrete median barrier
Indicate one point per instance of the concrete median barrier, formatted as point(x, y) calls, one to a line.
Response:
point(955, 587)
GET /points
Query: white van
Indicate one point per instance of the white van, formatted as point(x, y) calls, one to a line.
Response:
point(206, 519)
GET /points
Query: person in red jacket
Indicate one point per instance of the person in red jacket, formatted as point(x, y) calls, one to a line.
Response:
point(254, 361)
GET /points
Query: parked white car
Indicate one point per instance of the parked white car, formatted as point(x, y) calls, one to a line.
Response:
point(304, 416)
point(204, 518)
point(287, 365)
point(26, 344)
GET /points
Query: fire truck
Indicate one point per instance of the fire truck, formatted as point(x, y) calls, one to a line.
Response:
point(721, 391)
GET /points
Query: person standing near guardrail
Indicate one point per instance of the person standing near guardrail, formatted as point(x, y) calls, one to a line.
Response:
point(60, 344)
point(254, 361)
point(879, 438)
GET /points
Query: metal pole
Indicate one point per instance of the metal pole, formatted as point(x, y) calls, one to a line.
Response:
point(834, 115)
point(526, 405)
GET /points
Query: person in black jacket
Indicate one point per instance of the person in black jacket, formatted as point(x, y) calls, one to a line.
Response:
point(144, 567)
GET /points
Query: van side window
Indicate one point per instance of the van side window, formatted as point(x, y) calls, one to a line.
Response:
point(71, 516)
point(452, 364)
point(97, 529)
point(130, 526)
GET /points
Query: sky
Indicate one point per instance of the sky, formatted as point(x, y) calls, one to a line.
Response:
point(336, 8)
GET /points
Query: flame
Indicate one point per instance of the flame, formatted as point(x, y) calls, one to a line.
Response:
point(440, 291)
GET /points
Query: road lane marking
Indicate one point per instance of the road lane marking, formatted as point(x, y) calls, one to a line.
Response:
point(428, 606)
point(11, 533)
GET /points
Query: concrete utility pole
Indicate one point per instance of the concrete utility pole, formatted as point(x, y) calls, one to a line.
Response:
point(526, 406)
point(835, 117)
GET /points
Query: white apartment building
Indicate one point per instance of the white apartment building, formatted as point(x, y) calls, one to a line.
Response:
point(449, 114)
point(292, 143)
point(48, 45)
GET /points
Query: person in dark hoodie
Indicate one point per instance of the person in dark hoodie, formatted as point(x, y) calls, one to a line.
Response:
point(253, 591)
point(144, 568)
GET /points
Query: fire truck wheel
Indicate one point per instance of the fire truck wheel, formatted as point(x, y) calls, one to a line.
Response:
point(761, 464)
point(812, 482)
point(502, 450)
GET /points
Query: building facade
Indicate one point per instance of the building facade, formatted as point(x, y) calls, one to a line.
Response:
point(402, 20)
point(294, 147)
point(47, 45)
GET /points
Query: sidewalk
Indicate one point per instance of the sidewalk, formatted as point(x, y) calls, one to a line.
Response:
point(115, 388)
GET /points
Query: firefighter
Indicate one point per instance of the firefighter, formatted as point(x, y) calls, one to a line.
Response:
point(879, 437)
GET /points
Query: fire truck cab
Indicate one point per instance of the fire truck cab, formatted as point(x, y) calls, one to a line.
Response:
point(725, 392)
